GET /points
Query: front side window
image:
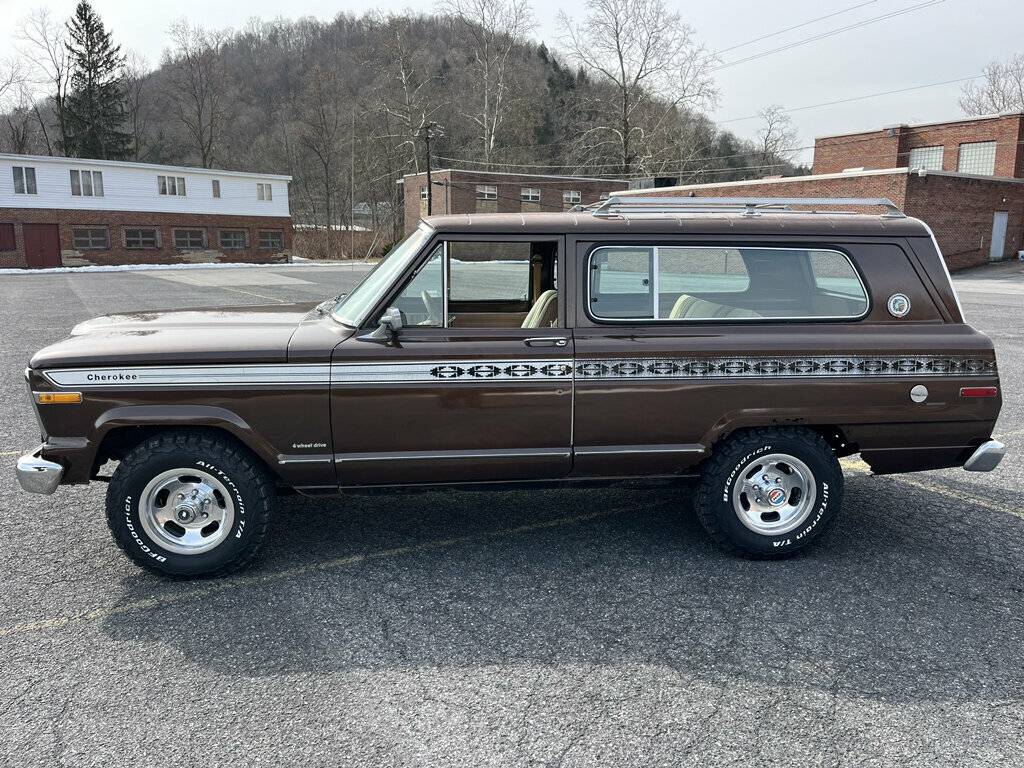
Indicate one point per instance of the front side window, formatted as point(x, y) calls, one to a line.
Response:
point(190, 239)
point(978, 157)
point(421, 301)
point(141, 238)
point(24, 180)
point(271, 240)
point(702, 283)
point(233, 239)
point(91, 238)
point(87, 183)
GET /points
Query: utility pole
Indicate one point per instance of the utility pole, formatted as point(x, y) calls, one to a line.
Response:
point(426, 132)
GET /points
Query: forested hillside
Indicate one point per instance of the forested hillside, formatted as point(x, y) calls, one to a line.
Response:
point(344, 105)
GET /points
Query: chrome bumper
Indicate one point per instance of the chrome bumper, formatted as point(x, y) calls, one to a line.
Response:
point(986, 458)
point(37, 475)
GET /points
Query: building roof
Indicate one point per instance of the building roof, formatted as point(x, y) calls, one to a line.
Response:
point(51, 159)
point(899, 171)
point(695, 223)
point(975, 119)
point(519, 175)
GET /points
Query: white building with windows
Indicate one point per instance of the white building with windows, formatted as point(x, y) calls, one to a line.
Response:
point(59, 211)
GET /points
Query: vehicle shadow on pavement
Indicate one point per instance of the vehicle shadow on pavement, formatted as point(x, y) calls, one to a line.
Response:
point(892, 606)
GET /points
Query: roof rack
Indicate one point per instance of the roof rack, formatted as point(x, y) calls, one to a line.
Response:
point(617, 205)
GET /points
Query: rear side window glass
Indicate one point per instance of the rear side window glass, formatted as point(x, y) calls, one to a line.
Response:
point(702, 283)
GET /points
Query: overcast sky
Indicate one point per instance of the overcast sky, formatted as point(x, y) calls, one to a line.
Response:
point(947, 40)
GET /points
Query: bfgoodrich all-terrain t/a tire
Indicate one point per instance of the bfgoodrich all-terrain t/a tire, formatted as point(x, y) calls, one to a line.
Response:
point(770, 493)
point(188, 504)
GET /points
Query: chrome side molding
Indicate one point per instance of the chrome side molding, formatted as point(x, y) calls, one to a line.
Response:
point(37, 475)
point(986, 458)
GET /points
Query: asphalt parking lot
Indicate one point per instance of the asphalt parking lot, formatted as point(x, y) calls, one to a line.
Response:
point(558, 627)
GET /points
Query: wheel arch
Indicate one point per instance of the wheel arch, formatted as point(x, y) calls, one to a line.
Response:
point(120, 430)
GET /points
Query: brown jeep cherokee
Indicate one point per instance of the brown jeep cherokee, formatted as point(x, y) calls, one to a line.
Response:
point(749, 343)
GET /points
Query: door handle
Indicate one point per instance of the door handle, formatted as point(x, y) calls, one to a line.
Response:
point(546, 341)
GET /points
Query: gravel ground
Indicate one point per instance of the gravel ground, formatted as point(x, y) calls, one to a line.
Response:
point(557, 627)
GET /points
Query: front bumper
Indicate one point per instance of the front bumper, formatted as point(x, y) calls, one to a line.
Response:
point(986, 458)
point(37, 475)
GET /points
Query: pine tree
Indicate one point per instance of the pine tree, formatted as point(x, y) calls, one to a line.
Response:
point(96, 105)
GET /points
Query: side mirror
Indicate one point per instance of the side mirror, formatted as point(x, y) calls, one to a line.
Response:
point(388, 326)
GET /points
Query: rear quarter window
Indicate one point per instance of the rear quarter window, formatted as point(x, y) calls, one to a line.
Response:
point(716, 283)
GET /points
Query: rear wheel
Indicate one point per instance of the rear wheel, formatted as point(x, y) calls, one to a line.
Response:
point(189, 504)
point(770, 492)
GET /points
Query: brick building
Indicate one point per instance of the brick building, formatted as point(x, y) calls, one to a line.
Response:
point(962, 178)
point(457, 191)
point(57, 211)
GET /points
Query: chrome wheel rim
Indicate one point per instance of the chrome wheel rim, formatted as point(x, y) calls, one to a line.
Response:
point(186, 511)
point(774, 494)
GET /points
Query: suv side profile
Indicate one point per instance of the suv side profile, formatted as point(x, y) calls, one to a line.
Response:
point(747, 344)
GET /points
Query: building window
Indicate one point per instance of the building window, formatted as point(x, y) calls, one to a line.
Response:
point(978, 157)
point(486, 192)
point(926, 158)
point(423, 192)
point(171, 185)
point(234, 239)
point(529, 195)
point(264, 191)
point(215, 184)
point(91, 238)
point(571, 197)
point(24, 180)
point(141, 237)
point(271, 240)
point(86, 183)
point(190, 239)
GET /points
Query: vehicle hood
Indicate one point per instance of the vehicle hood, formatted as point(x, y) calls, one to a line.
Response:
point(197, 336)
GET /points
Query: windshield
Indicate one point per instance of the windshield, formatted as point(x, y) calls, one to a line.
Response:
point(352, 309)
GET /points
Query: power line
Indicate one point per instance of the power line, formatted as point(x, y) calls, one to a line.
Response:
point(829, 33)
point(795, 26)
point(856, 98)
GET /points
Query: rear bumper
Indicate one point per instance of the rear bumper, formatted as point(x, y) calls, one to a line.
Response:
point(37, 475)
point(986, 458)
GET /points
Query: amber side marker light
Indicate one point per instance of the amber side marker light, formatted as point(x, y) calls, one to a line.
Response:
point(58, 398)
point(979, 391)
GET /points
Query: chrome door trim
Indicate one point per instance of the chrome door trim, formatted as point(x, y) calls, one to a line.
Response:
point(515, 453)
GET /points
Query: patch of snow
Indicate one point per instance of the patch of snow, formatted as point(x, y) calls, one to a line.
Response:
point(297, 262)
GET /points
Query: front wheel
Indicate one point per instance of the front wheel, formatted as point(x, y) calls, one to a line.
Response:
point(189, 504)
point(769, 493)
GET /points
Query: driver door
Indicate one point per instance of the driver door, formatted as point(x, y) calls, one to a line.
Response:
point(465, 392)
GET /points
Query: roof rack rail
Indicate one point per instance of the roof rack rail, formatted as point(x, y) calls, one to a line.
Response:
point(616, 205)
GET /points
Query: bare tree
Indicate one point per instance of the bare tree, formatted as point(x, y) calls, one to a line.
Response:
point(136, 69)
point(43, 42)
point(321, 132)
point(1001, 89)
point(408, 107)
point(652, 63)
point(777, 139)
point(197, 78)
point(494, 29)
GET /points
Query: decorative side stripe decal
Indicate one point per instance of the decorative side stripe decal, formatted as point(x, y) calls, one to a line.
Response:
point(598, 369)
point(451, 370)
point(192, 376)
point(781, 367)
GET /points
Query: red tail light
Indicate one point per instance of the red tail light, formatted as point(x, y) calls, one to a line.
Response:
point(979, 391)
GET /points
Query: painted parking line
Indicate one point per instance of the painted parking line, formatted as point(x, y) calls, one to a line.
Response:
point(257, 579)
